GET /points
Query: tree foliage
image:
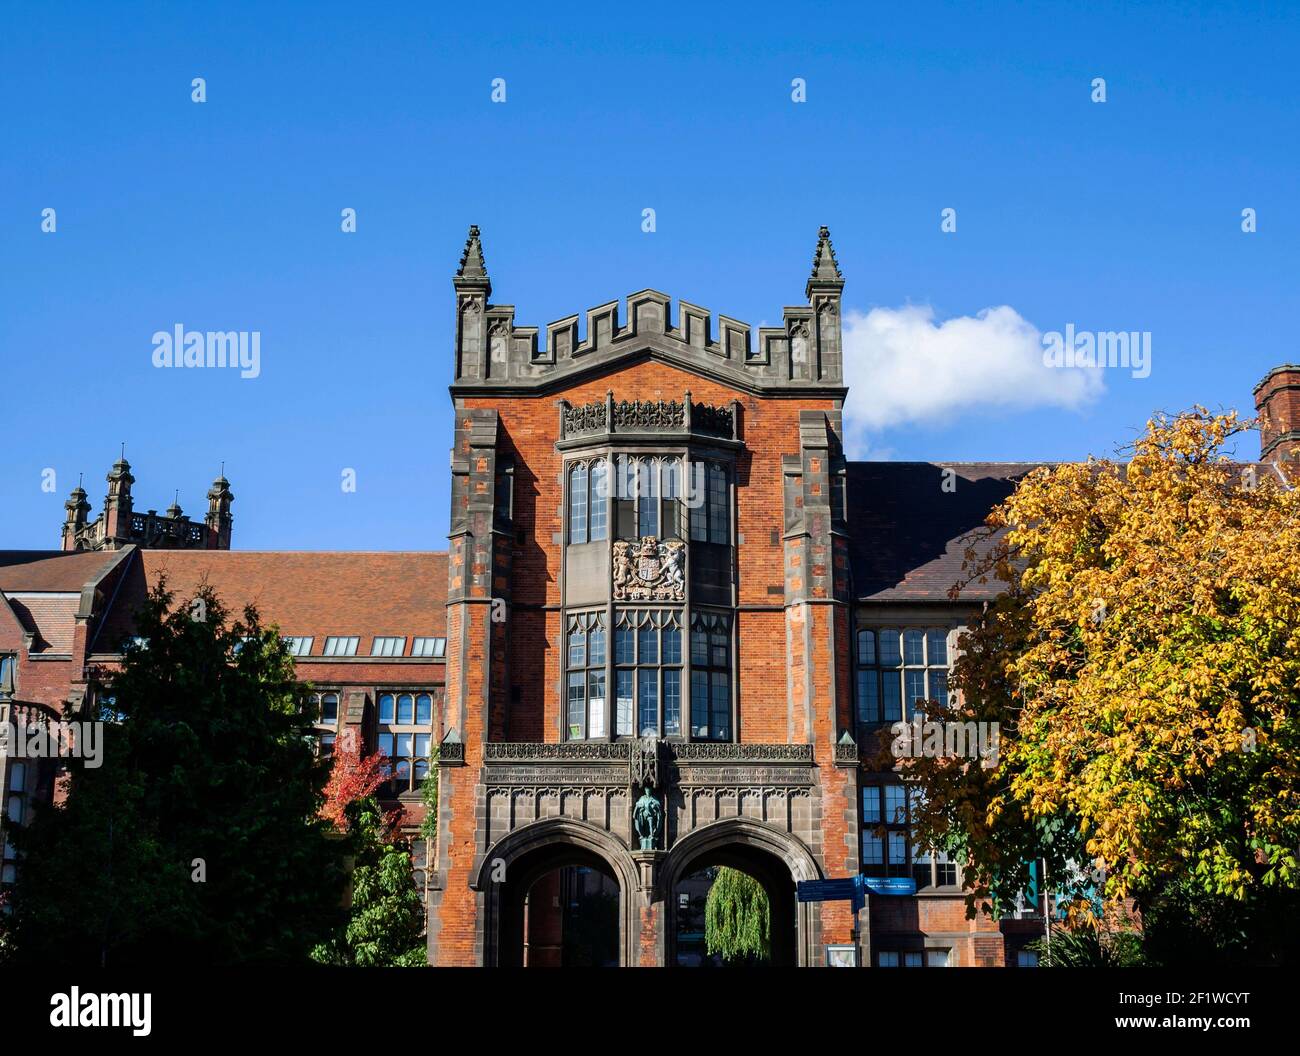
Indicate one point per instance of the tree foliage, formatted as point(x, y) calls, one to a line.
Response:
point(351, 778)
point(1143, 663)
point(738, 918)
point(429, 797)
point(386, 918)
point(197, 840)
point(1090, 946)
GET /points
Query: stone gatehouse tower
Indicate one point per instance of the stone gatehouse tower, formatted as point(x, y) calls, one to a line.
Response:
point(659, 564)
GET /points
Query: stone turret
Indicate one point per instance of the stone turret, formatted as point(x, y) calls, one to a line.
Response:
point(119, 524)
point(118, 504)
point(219, 521)
point(823, 290)
point(74, 523)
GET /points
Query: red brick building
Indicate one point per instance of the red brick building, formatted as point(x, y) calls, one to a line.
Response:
point(367, 631)
point(670, 613)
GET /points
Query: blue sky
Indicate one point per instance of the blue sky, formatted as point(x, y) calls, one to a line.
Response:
point(1123, 215)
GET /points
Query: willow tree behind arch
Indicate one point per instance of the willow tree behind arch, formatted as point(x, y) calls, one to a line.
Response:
point(738, 919)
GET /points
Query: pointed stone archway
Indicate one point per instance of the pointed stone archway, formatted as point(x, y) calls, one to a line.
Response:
point(776, 859)
point(514, 863)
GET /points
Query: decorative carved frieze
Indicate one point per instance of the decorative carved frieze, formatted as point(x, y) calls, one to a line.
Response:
point(677, 787)
point(650, 761)
point(750, 753)
point(719, 793)
point(735, 765)
point(766, 776)
point(649, 569)
point(533, 752)
point(649, 414)
point(612, 751)
point(717, 421)
point(587, 418)
point(568, 777)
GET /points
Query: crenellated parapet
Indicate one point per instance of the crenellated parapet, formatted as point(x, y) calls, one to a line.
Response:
point(803, 355)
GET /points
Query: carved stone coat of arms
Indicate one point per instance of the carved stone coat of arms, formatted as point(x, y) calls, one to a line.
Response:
point(649, 569)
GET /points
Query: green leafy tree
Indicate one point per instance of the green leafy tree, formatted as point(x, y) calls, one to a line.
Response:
point(738, 919)
point(1184, 926)
point(197, 841)
point(385, 914)
point(386, 917)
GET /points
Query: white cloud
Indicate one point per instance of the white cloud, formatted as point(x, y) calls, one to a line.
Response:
point(903, 367)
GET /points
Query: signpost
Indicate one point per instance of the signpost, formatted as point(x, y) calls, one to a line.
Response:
point(854, 889)
point(851, 889)
point(847, 889)
point(889, 885)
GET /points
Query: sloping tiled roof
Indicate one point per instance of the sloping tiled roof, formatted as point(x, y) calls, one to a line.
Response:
point(909, 534)
point(306, 593)
point(53, 619)
point(52, 570)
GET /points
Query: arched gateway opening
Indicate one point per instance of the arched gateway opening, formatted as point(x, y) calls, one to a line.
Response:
point(557, 893)
point(561, 916)
point(515, 881)
point(775, 859)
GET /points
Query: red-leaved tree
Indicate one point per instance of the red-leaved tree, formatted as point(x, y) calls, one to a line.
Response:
point(351, 778)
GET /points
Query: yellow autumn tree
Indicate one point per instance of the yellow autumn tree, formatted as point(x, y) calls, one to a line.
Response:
point(1143, 665)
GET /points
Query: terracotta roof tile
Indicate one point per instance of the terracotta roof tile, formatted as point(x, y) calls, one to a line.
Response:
point(51, 570)
point(313, 594)
point(53, 619)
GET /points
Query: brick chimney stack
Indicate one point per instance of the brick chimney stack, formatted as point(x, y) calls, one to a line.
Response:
point(1277, 398)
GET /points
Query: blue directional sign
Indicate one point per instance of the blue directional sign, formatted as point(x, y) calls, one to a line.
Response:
point(854, 889)
point(828, 890)
point(890, 885)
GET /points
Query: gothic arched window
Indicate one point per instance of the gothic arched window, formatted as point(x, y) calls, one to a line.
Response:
point(585, 685)
point(648, 673)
